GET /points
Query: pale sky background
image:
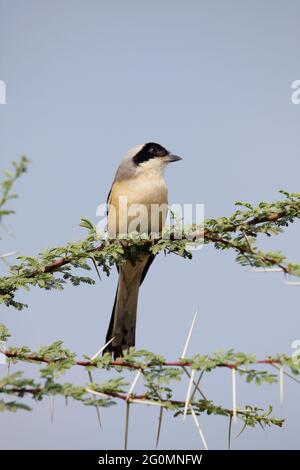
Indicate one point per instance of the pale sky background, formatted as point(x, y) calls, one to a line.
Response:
point(210, 80)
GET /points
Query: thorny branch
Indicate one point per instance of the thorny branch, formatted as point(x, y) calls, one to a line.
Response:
point(15, 354)
point(56, 266)
point(157, 375)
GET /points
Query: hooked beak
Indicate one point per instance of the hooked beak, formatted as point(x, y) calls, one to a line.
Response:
point(172, 158)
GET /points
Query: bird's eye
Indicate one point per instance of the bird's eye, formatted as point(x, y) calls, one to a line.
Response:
point(151, 150)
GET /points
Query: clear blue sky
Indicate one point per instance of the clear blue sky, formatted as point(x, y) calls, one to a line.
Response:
point(211, 80)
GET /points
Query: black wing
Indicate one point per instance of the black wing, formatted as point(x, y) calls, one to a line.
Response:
point(146, 268)
point(107, 201)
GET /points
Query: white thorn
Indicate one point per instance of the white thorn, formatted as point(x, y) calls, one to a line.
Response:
point(199, 428)
point(266, 270)
point(90, 376)
point(189, 336)
point(126, 425)
point(234, 406)
point(292, 283)
point(94, 392)
point(188, 395)
point(97, 407)
point(6, 255)
point(287, 374)
point(197, 387)
point(146, 402)
point(133, 384)
point(159, 426)
point(133, 400)
point(281, 384)
point(3, 358)
point(102, 349)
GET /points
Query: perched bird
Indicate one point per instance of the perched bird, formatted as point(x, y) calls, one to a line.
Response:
point(140, 182)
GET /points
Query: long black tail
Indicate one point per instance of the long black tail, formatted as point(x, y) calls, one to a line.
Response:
point(122, 323)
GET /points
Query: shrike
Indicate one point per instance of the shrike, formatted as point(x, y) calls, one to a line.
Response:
point(139, 182)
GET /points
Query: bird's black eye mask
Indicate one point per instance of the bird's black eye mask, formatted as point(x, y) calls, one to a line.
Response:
point(150, 150)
